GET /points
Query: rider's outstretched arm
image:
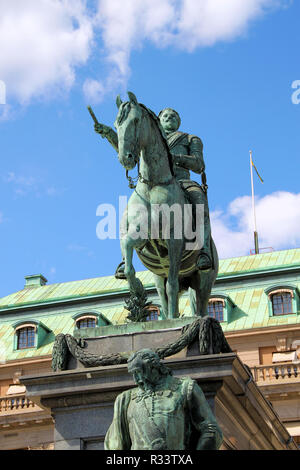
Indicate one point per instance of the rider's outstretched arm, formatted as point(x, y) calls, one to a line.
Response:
point(108, 133)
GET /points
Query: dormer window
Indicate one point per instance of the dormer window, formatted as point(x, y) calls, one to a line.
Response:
point(88, 319)
point(282, 303)
point(283, 300)
point(26, 337)
point(29, 334)
point(215, 309)
point(220, 307)
point(86, 322)
point(154, 313)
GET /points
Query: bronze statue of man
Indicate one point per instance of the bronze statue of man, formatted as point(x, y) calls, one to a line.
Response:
point(187, 153)
point(162, 412)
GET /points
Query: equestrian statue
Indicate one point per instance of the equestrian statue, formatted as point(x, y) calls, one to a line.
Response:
point(179, 259)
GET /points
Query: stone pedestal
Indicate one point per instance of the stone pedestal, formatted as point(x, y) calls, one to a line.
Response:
point(81, 402)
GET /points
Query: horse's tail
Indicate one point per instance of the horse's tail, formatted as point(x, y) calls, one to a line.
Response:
point(215, 259)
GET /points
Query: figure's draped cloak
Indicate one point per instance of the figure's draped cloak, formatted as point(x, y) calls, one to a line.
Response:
point(117, 436)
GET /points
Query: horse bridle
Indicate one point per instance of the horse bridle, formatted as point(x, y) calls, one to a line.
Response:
point(134, 180)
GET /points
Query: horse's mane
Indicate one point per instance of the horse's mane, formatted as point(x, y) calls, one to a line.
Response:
point(122, 115)
point(123, 112)
point(162, 133)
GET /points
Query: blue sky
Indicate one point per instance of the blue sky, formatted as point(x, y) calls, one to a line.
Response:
point(229, 73)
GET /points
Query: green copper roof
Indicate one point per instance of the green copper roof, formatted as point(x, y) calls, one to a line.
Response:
point(70, 290)
point(261, 262)
point(249, 299)
point(109, 285)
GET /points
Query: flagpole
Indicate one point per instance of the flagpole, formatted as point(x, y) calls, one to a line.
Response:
point(253, 207)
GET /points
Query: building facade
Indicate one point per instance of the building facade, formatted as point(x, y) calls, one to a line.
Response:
point(255, 298)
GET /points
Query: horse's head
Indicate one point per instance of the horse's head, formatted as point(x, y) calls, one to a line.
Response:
point(128, 125)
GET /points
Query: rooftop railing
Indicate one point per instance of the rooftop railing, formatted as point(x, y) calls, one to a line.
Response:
point(280, 372)
point(16, 404)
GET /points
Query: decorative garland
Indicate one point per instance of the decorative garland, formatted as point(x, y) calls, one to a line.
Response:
point(207, 329)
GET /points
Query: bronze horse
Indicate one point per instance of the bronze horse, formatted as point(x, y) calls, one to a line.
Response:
point(141, 142)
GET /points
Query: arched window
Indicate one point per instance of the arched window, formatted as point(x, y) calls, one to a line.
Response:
point(153, 313)
point(86, 322)
point(215, 309)
point(26, 337)
point(89, 319)
point(29, 334)
point(221, 307)
point(282, 302)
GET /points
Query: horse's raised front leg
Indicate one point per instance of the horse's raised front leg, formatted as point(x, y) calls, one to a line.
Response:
point(175, 248)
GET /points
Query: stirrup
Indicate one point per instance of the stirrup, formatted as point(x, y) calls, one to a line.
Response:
point(119, 274)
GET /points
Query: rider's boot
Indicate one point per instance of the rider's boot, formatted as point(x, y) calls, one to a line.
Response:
point(204, 261)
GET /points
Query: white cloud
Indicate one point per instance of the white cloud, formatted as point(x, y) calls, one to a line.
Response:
point(41, 44)
point(21, 180)
point(53, 191)
point(1, 217)
point(77, 248)
point(183, 24)
point(208, 21)
point(94, 90)
point(5, 112)
point(278, 222)
point(24, 185)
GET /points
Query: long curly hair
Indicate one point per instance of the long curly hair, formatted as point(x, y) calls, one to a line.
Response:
point(150, 358)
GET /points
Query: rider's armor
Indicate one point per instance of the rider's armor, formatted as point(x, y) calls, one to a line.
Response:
point(186, 146)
